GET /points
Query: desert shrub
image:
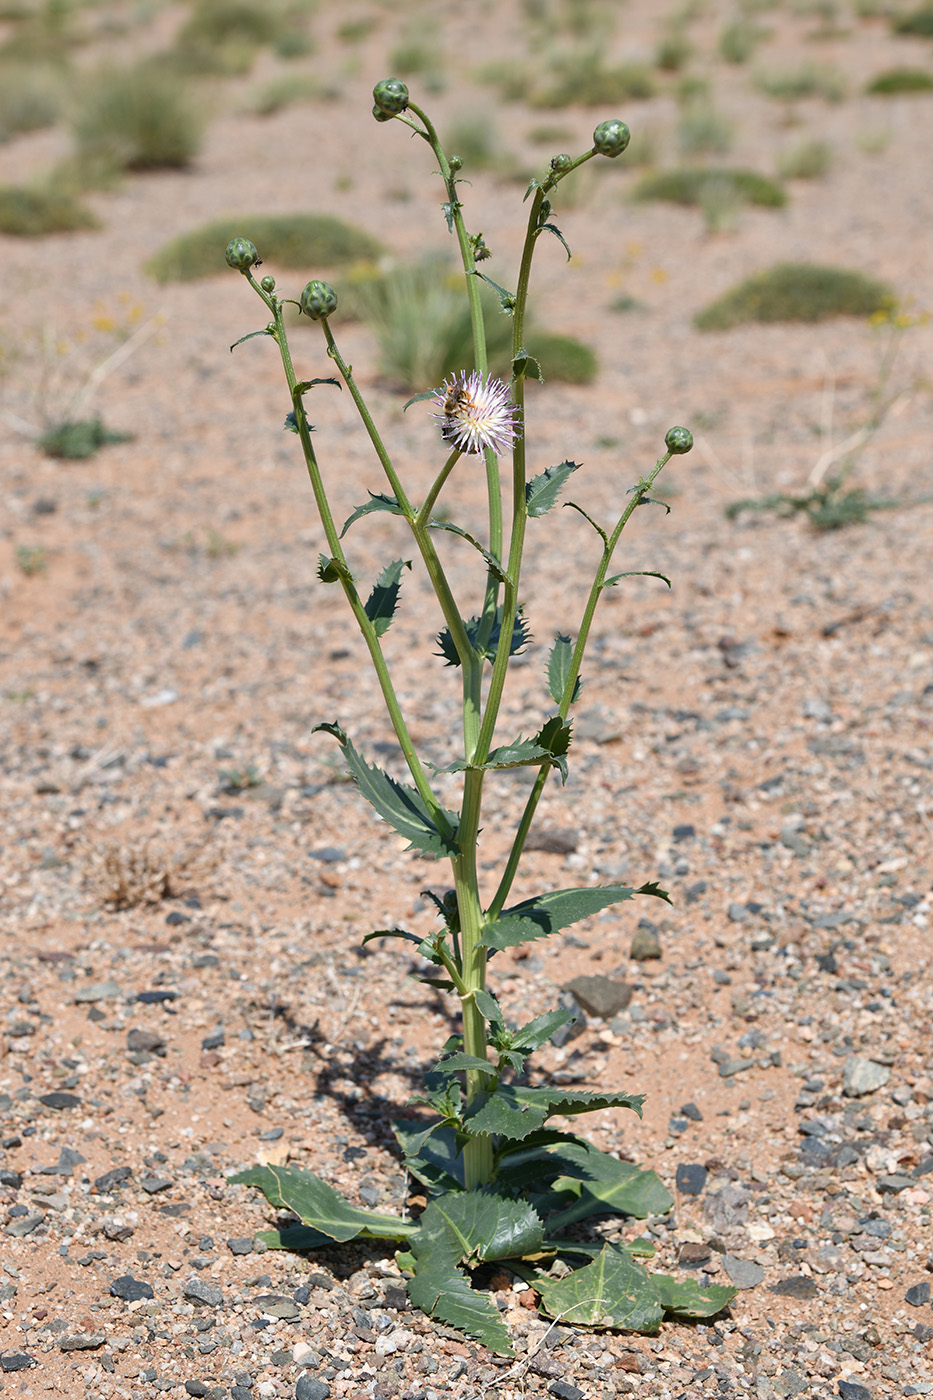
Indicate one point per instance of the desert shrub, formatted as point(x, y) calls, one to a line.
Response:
point(739, 40)
point(581, 79)
point(562, 358)
point(900, 80)
point(76, 442)
point(796, 292)
point(45, 34)
point(287, 90)
point(919, 21)
point(123, 877)
point(689, 186)
point(809, 80)
point(673, 51)
point(139, 119)
point(702, 130)
point(286, 240)
point(31, 97)
point(806, 161)
point(29, 212)
point(224, 36)
point(476, 140)
point(511, 78)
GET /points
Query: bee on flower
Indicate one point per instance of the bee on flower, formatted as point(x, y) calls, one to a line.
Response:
point(476, 413)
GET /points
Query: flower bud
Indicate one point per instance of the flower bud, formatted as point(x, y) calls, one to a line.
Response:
point(544, 213)
point(560, 163)
point(455, 163)
point(381, 116)
point(391, 96)
point(319, 300)
point(268, 284)
point(678, 441)
point(242, 254)
point(611, 138)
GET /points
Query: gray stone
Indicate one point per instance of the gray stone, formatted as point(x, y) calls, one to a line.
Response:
point(646, 945)
point(918, 1295)
point(58, 1100)
point(149, 1041)
point(798, 1287)
point(198, 1290)
point(726, 1208)
point(690, 1178)
point(600, 996)
point(851, 1390)
point(196, 1388)
point(152, 1185)
point(16, 1361)
point(790, 1383)
point(861, 1076)
point(23, 1225)
point(274, 1305)
point(737, 913)
point(241, 1245)
point(743, 1273)
point(115, 1177)
point(131, 1289)
point(82, 1341)
point(311, 1388)
point(98, 991)
point(732, 1066)
point(893, 1183)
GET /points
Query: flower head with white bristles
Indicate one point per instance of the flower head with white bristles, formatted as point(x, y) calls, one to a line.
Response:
point(476, 413)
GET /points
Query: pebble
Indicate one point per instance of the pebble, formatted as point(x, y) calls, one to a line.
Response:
point(918, 1295)
point(131, 1289)
point(98, 991)
point(851, 1390)
point(600, 996)
point(82, 1341)
point(16, 1361)
point(798, 1287)
point(274, 1305)
point(743, 1273)
point(646, 945)
point(242, 1245)
point(311, 1388)
point(690, 1178)
point(58, 1099)
point(200, 1291)
point(861, 1076)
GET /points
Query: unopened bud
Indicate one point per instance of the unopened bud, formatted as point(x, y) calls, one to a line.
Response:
point(611, 138)
point(391, 96)
point(455, 163)
point(268, 284)
point(678, 441)
point(318, 300)
point(241, 254)
point(561, 163)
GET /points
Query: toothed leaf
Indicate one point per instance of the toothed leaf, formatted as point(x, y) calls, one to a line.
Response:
point(541, 491)
point(317, 1204)
point(685, 1297)
point(613, 1291)
point(637, 573)
point(376, 501)
point(549, 913)
point(514, 1112)
point(381, 604)
point(521, 636)
point(558, 670)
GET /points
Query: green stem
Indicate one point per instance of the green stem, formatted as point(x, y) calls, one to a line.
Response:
point(424, 514)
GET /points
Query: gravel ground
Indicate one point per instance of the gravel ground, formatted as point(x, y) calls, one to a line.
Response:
point(757, 740)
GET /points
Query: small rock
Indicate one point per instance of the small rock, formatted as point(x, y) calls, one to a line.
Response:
point(690, 1179)
point(690, 1110)
point(310, 1388)
point(115, 1177)
point(82, 1341)
point(563, 1390)
point(200, 1291)
point(196, 1388)
point(743, 1273)
point(98, 991)
point(214, 1041)
point(851, 1390)
point(23, 1225)
point(918, 1295)
point(646, 945)
point(131, 1289)
point(600, 996)
point(10, 1178)
point(275, 1305)
point(240, 1245)
point(737, 913)
point(152, 1185)
point(734, 1066)
point(150, 1041)
point(693, 1254)
point(861, 1076)
point(16, 1361)
point(58, 1099)
point(798, 1287)
point(726, 1208)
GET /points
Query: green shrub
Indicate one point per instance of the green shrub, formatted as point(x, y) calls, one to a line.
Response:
point(806, 161)
point(796, 292)
point(581, 80)
point(31, 97)
point(702, 130)
point(739, 40)
point(30, 212)
point(562, 358)
point(77, 441)
point(511, 78)
point(690, 186)
point(138, 119)
point(809, 80)
point(476, 141)
point(673, 52)
point(919, 22)
point(306, 241)
point(900, 80)
point(287, 90)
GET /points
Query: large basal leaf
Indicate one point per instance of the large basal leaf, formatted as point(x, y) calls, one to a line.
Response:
point(549, 913)
point(443, 1291)
point(317, 1204)
point(514, 1112)
point(377, 501)
point(602, 1183)
point(294, 1237)
point(613, 1291)
point(558, 670)
point(685, 1297)
point(381, 604)
point(477, 1227)
point(432, 1155)
point(542, 491)
point(398, 804)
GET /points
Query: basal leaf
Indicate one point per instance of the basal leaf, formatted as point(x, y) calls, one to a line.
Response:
point(443, 1291)
point(477, 1226)
point(381, 604)
point(514, 1112)
point(602, 1183)
point(432, 1155)
point(294, 1237)
point(637, 573)
point(558, 670)
point(613, 1291)
point(549, 913)
point(377, 501)
point(541, 491)
point(685, 1297)
point(317, 1204)
point(397, 803)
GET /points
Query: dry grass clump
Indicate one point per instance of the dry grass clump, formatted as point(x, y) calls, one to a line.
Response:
point(123, 876)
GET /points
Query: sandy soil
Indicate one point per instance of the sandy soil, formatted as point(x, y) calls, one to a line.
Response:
point(758, 739)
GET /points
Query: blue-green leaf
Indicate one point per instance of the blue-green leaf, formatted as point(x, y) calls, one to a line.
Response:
point(521, 636)
point(552, 228)
point(506, 299)
point(432, 1155)
point(549, 913)
point(495, 566)
point(637, 573)
point(572, 505)
point(613, 1291)
point(541, 491)
point(558, 670)
point(376, 501)
point(534, 1033)
point(397, 803)
point(549, 745)
point(331, 570)
point(514, 1112)
point(443, 1291)
point(381, 604)
point(317, 1204)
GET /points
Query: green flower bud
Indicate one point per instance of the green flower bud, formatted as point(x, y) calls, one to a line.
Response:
point(268, 284)
point(561, 163)
point(611, 138)
point(242, 254)
point(391, 96)
point(381, 116)
point(318, 300)
point(678, 441)
point(544, 213)
point(455, 163)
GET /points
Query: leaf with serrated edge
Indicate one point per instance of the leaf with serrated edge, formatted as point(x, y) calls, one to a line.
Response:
point(613, 1291)
point(317, 1204)
point(514, 1112)
point(377, 501)
point(637, 573)
point(534, 1033)
point(432, 1154)
point(397, 803)
point(558, 670)
point(476, 1226)
point(542, 491)
point(443, 1291)
point(685, 1297)
point(381, 604)
point(603, 1184)
point(549, 913)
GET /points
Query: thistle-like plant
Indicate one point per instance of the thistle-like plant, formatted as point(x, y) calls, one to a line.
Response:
point(503, 1184)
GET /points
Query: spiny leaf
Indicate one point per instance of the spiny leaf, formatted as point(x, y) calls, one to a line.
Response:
point(461, 1061)
point(549, 913)
point(613, 1291)
point(446, 906)
point(317, 1204)
point(377, 501)
point(534, 1033)
point(552, 228)
point(541, 491)
point(521, 366)
point(506, 299)
point(478, 1226)
point(558, 670)
point(521, 636)
point(685, 1297)
point(419, 398)
point(443, 1291)
point(572, 505)
point(307, 384)
point(514, 1112)
point(550, 744)
point(495, 567)
point(432, 1155)
point(331, 570)
point(489, 1007)
point(381, 604)
point(637, 573)
point(397, 803)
